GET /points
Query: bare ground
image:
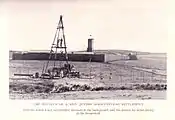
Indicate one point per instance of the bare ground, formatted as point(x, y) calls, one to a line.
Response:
point(121, 79)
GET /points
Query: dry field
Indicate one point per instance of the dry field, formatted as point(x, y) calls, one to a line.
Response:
point(118, 79)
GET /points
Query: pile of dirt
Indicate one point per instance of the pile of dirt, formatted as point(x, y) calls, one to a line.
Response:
point(41, 87)
point(62, 88)
point(50, 87)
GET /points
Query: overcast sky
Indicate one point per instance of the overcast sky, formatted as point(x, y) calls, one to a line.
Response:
point(114, 24)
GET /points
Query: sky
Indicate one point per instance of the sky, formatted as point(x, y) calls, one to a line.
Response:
point(114, 24)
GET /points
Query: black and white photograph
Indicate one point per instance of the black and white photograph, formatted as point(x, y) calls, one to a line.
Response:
point(87, 50)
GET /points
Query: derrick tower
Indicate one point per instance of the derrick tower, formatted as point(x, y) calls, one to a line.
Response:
point(58, 46)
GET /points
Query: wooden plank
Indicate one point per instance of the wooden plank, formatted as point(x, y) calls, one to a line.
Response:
point(23, 74)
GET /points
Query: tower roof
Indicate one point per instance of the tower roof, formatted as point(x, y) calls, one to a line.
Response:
point(90, 37)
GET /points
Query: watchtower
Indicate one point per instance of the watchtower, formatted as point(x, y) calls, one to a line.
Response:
point(90, 44)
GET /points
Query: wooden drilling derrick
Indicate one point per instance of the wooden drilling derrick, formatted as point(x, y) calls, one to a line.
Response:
point(59, 43)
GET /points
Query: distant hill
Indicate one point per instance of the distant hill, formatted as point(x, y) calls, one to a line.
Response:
point(124, 52)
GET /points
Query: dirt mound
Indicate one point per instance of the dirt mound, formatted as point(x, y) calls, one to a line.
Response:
point(50, 87)
point(41, 87)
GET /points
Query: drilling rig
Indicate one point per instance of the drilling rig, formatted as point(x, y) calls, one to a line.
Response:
point(56, 70)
